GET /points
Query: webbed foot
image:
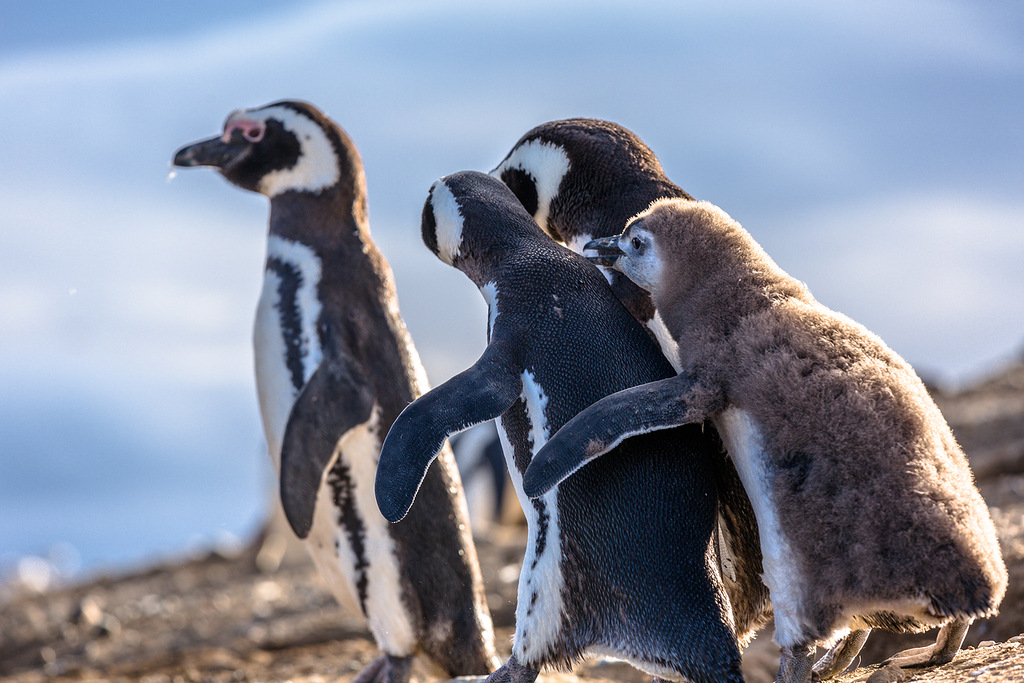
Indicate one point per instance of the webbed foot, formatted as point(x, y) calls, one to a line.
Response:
point(797, 664)
point(386, 669)
point(947, 644)
point(836, 660)
point(513, 672)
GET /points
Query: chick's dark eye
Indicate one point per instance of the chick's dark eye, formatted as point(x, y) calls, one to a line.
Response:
point(637, 243)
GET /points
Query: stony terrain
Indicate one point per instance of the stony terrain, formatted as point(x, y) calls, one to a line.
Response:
point(219, 618)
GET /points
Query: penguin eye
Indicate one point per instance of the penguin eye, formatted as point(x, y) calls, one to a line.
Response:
point(254, 134)
point(637, 243)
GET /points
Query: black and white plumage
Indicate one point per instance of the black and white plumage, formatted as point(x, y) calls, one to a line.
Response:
point(582, 179)
point(334, 367)
point(621, 560)
point(585, 178)
point(868, 512)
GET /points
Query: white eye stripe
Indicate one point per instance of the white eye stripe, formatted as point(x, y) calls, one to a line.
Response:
point(447, 222)
point(547, 163)
point(317, 167)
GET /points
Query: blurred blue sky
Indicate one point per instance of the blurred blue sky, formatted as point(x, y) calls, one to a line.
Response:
point(876, 150)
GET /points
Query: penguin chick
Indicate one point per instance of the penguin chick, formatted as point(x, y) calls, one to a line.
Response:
point(866, 506)
point(620, 560)
point(585, 178)
point(334, 367)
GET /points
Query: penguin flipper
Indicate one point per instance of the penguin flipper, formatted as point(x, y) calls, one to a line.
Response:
point(593, 432)
point(482, 392)
point(317, 420)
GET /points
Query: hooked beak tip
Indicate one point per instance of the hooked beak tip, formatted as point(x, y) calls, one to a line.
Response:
point(184, 157)
point(603, 252)
point(213, 152)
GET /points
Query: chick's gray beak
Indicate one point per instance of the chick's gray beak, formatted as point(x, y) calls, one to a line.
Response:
point(604, 251)
point(212, 152)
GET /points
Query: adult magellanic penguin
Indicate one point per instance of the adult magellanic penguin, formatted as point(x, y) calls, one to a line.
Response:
point(334, 367)
point(866, 505)
point(582, 179)
point(620, 561)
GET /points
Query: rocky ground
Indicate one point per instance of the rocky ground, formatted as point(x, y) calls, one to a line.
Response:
point(219, 618)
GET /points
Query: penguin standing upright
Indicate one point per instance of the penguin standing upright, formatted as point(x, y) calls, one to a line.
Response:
point(622, 560)
point(866, 504)
point(582, 179)
point(334, 367)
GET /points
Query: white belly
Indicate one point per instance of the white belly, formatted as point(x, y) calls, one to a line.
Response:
point(538, 620)
point(275, 380)
point(745, 443)
point(274, 386)
point(333, 551)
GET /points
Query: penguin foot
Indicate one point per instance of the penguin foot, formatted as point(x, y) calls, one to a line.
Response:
point(386, 669)
point(513, 672)
point(947, 644)
point(836, 660)
point(797, 664)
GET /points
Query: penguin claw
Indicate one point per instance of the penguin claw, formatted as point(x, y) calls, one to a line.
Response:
point(797, 664)
point(513, 672)
point(917, 657)
point(947, 644)
point(841, 656)
point(386, 669)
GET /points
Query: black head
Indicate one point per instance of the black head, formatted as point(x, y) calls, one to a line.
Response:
point(584, 178)
point(286, 146)
point(469, 216)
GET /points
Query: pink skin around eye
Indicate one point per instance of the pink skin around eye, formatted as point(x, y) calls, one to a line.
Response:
point(251, 130)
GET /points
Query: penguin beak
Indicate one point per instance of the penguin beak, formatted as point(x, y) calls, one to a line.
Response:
point(213, 152)
point(605, 251)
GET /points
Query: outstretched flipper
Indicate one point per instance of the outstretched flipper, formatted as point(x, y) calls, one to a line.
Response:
point(482, 392)
point(333, 401)
point(604, 425)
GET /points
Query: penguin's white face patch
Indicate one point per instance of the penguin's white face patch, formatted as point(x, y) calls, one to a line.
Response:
point(547, 164)
point(447, 222)
point(317, 167)
point(640, 261)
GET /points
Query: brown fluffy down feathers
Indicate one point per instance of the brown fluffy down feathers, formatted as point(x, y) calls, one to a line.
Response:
point(875, 495)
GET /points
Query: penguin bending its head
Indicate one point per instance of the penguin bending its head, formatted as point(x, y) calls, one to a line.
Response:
point(621, 559)
point(865, 503)
point(334, 368)
point(585, 178)
point(582, 179)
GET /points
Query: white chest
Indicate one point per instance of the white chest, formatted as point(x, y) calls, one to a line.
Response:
point(285, 340)
point(669, 346)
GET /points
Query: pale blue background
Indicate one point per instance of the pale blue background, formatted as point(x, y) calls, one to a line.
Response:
point(875, 149)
